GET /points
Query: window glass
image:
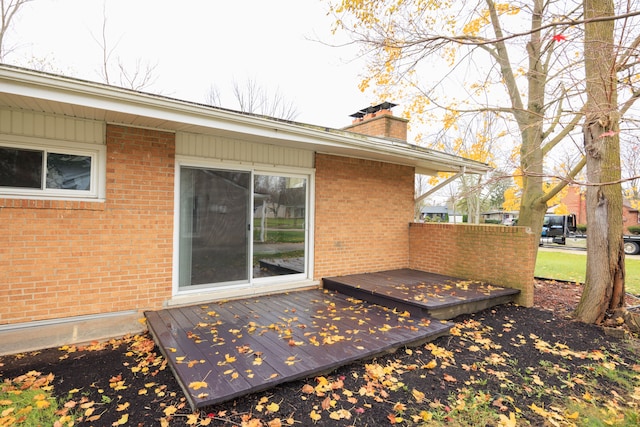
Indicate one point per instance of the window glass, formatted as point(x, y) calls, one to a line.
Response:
point(20, 168)
point(279, 225)
point(68, 171)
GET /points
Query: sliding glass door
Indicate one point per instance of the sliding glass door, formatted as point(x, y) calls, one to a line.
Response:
point(240, 227)
point(214, 222)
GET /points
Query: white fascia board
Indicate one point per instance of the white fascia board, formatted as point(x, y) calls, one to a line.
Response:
point(123, 101)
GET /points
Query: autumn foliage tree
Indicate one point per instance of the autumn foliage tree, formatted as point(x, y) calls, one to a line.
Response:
point(523, 61)
point(508, 58)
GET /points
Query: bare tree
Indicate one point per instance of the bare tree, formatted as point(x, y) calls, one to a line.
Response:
point(137, 77)
point(251, 97)
point(9, 9)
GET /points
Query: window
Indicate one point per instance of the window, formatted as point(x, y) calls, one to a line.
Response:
point(49, 172)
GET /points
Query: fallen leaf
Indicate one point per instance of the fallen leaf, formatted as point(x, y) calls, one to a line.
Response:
point(122, 421)
point(315, 416)
point(449, 378)
point(197, 385)
point(170, 410)
point(273, 407)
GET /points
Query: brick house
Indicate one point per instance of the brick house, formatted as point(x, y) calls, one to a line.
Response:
point(575, 202)
point(114, 201)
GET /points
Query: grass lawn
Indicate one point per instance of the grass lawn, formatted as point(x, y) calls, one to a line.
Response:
point(572, 267)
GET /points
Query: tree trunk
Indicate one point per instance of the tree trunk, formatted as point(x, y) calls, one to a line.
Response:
point(533, 206)
point(604, 286)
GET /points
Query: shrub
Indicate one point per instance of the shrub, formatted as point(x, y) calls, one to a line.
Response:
point(492, 221)
point(634, 229)
point(581, 228)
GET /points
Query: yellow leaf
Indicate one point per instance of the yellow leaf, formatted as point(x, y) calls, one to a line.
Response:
point(192, 419)
point(573, 416)
point(257, 361)
point(315, 416)
point(507, 422)
point(7, 412)
point(229, 359)
point(275, 423)
point(273, 407)
point(170, 410)
point(197, 385)
point(537, 381)
point(122, 421)
point(417, 395)
point(122, 407)
point(431, 364)
point(43, 404)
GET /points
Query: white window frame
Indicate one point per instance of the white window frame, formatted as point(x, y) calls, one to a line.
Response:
point(98, 154)
point(254, 286)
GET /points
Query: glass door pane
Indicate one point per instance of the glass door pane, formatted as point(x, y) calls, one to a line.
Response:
point(279, 225)
point(214, 222)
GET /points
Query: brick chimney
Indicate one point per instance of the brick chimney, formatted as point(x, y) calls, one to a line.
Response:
point(379, 121)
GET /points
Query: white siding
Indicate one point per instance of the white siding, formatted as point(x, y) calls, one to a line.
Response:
point(48, 126)
point(211, 147)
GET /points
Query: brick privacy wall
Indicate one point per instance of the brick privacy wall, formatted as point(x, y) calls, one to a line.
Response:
point(362, 215)
point(499, 255)
point(61, 259)
point(382, 125)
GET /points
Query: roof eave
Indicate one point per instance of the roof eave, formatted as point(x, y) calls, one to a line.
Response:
point(177, 115)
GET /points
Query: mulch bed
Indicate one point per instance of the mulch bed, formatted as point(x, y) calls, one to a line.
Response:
point(516, 358)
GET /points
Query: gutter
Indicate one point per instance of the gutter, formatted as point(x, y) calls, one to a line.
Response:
point(55, 88)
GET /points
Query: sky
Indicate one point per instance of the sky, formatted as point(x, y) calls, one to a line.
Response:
point(283, 45)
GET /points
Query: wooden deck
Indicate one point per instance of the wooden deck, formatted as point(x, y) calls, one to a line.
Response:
point(421, 293)
point(223, 350)
point(220, 351)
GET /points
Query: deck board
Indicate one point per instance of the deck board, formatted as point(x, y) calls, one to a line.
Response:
point(421, 293)
point(211, 343)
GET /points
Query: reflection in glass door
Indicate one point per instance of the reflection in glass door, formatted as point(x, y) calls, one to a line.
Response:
point(213, 230)
point(279, 225)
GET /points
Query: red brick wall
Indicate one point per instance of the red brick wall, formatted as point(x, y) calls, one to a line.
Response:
point(383, 124)
point(576, 203)
point(61, 259)
point(500, 255)
point(362, 214)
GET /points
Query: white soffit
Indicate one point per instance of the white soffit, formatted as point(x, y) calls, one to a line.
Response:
point(35, 91)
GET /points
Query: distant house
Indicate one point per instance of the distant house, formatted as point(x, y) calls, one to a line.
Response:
point(434, 213)
point(440, 214)
point(575, 202)
point(499, 216)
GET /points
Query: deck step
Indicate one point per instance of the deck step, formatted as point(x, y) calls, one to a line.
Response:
point(421, 293)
